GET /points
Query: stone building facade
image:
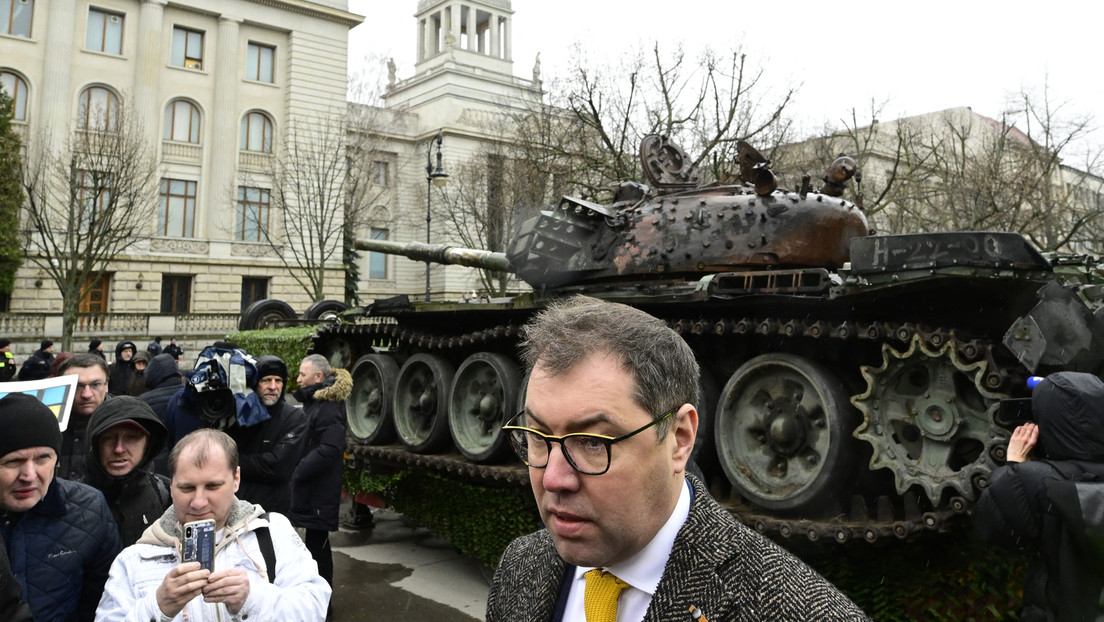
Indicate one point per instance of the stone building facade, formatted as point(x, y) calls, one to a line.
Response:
point(213, 83)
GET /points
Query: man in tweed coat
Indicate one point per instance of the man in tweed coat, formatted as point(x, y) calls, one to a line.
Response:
point(613, 494)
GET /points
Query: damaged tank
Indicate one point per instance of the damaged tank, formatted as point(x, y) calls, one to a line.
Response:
point(851, 382)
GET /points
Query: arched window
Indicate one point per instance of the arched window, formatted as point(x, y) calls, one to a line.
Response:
point(16, 88)
point(256, 132)
point(182, 122)
point(98, 110)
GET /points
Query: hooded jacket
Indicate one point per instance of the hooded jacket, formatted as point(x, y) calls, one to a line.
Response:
point(138, 377)
point(37, 366)
point(61, 550)
point(162, 380)
point(138, 498)
point(297, 594)
point(118, 381)
point(1018, 509)
point(316, 483)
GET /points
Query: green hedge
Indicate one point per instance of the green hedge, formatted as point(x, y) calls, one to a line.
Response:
point(479, 521)
point(290, 344)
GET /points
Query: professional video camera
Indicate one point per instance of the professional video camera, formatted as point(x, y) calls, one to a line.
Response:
point(221, 384)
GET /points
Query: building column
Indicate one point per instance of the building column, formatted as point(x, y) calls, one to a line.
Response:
point(492, 25)
point(222, 153)
point(454, 24)
point(56, 99)
point(507, 42)
point(430, 38)
point(147, 70)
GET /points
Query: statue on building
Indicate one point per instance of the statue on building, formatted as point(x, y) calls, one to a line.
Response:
point(536, 70)
point(391, 69)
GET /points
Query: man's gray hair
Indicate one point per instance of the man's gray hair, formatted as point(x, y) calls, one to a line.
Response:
point(319, 363)
point(662, 365)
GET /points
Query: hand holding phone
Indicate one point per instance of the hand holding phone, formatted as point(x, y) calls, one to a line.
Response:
point(199, 543)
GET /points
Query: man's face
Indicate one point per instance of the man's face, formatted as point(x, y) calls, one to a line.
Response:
point(91, 389)
point(6, 348)
point(49, 350)
point(270, 388)
point(25, 476)
point(126, 354)
point(121, 448)
point(598, 520)
point(140, 364)
point(307, 375)
point(202, 492)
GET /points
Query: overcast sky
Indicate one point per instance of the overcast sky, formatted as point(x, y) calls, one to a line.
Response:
point(916, 56)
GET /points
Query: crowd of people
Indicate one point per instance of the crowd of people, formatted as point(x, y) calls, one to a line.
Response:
point(91, 516)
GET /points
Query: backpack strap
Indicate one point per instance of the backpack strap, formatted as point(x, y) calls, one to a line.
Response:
point(264, 539)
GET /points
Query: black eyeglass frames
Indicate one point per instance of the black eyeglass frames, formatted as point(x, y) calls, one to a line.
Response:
point(586, 453)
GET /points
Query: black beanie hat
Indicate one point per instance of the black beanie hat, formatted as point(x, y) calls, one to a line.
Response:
point(269, 365)
point(27, 422)
point(5, 343)
point(46, 343)
point(95, 343)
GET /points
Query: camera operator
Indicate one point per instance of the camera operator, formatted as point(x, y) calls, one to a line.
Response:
point(247, 402)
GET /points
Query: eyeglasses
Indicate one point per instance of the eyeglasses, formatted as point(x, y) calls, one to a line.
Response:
point(588, 454)
point(95, 386)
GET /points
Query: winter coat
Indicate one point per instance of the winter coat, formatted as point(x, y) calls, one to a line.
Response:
point(316, 483)
point(74, 446)
point(61, 551)
point(12, 606)
point(153, 349)
point(7, 366)
point(268, 453)
point(37, 366)
point(175, 351)
point(121, 371)
point(162, 381)
point(138, 377)
point(297, 594)
point(138, 498)
point(1019, 508)
point(728, 571)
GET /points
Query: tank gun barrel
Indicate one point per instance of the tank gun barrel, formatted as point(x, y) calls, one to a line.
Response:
point(440, 253)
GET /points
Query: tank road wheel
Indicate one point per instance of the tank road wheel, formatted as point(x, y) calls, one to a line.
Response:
point(484, 394)
point(929, 419)
point(337, 351)
point(370, 407)
point(422, 402)
point(783, 432)
point(265, 314)
point(325, 310)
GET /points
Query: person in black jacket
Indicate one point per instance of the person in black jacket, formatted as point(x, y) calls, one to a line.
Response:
point(40, 364)
point(7, 361)
point(12, 606)
point(1022, 507)
point(316, 483)
point(174, 349)
point(162, 382)
point(124, 436)
point(59, 535)
point(269, 451)
point(91, 372)
point(121, 369)
point(96, 347)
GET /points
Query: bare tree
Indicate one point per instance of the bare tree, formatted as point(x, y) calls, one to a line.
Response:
point(89, 201)
point(485, 199)
point(588, 134)
point(958, 170)
point(325, 189)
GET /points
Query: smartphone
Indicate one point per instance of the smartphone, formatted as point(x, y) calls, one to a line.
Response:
point(199, 543)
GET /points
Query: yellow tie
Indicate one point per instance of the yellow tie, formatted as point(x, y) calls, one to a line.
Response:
point(600, 598)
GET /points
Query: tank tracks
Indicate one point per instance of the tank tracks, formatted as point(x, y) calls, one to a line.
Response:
point(882, 518)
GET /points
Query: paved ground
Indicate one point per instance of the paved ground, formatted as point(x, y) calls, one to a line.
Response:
point(400, 572)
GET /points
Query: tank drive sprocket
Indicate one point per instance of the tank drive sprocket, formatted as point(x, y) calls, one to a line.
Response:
point(930, 419)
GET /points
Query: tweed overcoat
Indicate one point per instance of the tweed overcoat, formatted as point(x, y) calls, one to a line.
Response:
point(728, 571)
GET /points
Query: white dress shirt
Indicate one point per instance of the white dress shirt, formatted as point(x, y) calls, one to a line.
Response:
point(641, 571)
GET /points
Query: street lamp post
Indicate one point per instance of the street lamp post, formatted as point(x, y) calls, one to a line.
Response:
point(435, 176)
